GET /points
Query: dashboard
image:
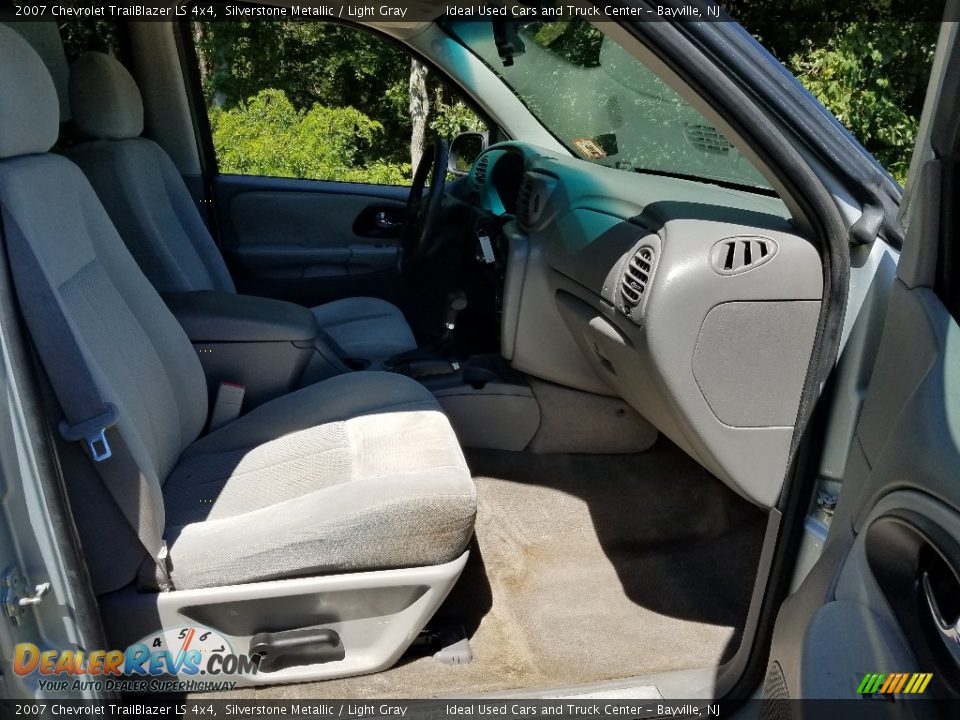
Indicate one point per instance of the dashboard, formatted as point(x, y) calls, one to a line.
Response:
point(696, 304)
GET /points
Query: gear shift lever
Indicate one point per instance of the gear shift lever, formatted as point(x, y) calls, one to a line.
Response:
point(429, 360)
point(456, 303)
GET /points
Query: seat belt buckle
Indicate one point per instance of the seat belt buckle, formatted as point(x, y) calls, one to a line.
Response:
point(154, 572)
point(93, 432)
point(163, 568)
point(227, 404)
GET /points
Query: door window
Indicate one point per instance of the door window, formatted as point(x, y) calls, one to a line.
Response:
point(320, 101)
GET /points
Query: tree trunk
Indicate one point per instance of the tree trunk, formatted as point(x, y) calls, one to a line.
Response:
point(419, 111)
point(198, 38)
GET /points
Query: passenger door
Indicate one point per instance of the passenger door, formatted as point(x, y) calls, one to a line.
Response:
point(876, 619)
point(311, 127)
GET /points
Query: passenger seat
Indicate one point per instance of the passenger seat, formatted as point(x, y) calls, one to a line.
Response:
point(358, 473)
point(155, 215)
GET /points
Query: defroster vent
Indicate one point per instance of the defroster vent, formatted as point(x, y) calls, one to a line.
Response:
point(708, 139)
point(739, 254)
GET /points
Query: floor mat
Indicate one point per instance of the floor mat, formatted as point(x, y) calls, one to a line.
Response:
point(586, 568)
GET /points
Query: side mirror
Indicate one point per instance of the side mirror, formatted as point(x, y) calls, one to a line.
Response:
point(464, 150)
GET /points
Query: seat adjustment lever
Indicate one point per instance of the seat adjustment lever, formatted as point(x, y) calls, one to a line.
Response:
point(311, 646)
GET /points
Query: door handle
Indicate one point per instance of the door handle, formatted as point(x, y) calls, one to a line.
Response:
point(949, 633)
point(382, 220)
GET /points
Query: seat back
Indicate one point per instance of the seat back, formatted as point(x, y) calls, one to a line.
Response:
point(137, 353)
point(137, 182)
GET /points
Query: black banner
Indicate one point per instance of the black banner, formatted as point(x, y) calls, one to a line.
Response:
point(562, 709)
point(525, 11)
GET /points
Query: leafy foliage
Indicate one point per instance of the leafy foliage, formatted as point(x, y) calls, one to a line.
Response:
point(268, 136)
point(80, 36)
point(350, 77)
point(578, 43)
point(872, 76)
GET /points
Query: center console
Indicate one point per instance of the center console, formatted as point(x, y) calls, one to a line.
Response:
point(273, 347)
point(269, 346)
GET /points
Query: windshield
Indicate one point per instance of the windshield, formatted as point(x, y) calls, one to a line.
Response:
point(605, 105)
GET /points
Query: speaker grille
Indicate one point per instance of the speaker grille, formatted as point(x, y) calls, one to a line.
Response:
point(776, 698)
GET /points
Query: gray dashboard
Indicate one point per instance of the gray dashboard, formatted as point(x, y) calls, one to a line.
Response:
point(696, 304)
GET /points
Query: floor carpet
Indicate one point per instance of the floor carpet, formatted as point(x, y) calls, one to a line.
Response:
point(585, 568)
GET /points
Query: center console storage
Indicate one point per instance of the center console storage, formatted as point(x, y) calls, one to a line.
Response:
point(269, 346)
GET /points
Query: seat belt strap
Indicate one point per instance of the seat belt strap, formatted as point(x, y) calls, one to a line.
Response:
point(89, 419)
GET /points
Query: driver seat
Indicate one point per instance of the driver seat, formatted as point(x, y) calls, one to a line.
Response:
point(151, 207)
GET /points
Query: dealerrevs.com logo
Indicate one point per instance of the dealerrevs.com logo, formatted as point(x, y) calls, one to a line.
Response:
point(175, 659)
point(885, 684)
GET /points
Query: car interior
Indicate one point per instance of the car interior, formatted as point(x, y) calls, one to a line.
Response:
point(522, 425)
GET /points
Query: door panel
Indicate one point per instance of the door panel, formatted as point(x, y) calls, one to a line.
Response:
point(863, 607)
point(310, 241)
point(883, 600)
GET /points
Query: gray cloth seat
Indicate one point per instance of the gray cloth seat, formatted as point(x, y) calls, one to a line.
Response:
point(151, 207)
point(362, 471)
point(371, 478)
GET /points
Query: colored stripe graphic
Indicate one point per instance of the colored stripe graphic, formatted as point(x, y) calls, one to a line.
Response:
point(870, 683)
point(888, 683)
point(894, 683)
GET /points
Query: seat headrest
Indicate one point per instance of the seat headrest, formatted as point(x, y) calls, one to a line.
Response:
point(44, 37)
point(29, 109)
point(104, 98)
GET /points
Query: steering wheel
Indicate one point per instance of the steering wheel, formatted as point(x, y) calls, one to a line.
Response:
point(420, 220)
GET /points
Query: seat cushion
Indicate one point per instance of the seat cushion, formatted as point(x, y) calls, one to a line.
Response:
point(366, 327)
point(359, 472)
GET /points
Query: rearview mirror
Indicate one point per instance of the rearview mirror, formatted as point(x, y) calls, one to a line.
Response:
point(464, 150)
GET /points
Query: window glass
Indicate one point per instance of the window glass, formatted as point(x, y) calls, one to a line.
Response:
point(320, 101)
point(605, 105)
point(80, 36)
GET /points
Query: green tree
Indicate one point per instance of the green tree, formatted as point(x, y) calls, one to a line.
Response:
point(334, 66)
point(872, 77)
point(268, 136)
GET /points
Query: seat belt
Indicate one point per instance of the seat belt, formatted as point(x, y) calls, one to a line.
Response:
point(88, 418)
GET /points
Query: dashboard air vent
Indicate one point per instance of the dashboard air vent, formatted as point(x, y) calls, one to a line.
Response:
point(480, 171)
point(636, 277)
point(708, 139)
point(736, 255)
